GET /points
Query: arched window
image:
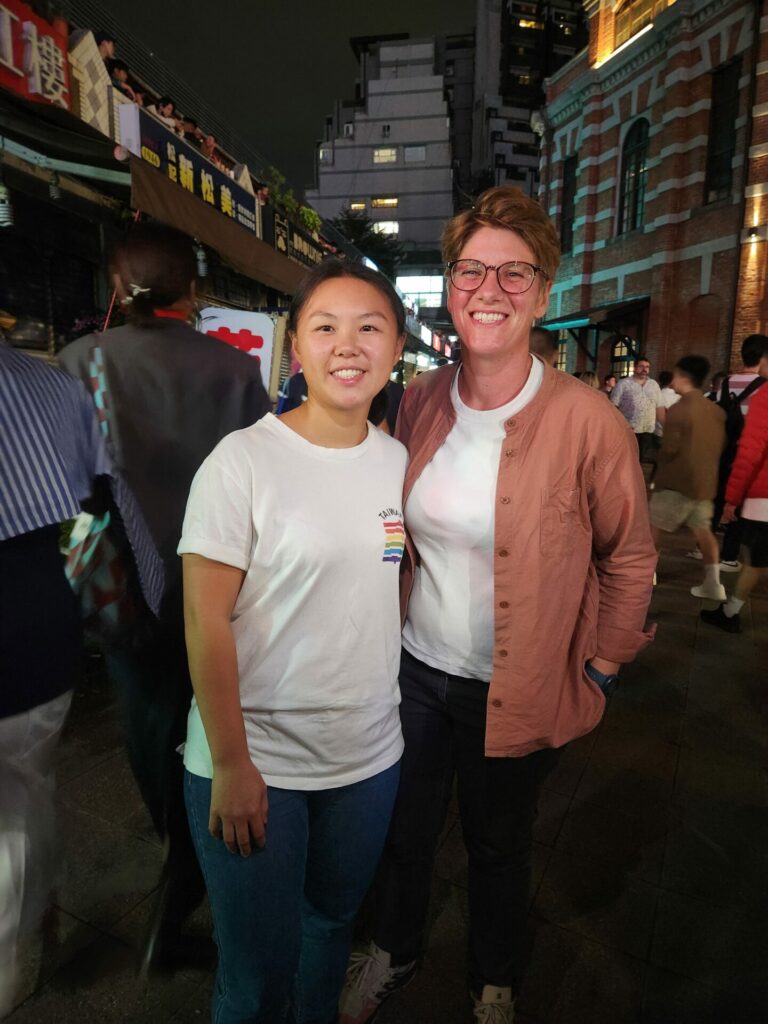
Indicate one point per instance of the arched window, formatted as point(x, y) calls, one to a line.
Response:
point(622, 358)
point(634, 171)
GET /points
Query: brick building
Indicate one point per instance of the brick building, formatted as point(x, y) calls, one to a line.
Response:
point(654, 165)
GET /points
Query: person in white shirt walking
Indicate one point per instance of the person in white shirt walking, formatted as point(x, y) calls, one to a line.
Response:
point(292, 544)
point(637, 398)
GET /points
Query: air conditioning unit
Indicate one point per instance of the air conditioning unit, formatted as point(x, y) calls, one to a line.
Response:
point(349, 130)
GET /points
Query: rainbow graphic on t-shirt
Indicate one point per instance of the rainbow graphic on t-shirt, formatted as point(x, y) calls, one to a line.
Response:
point(394, 531)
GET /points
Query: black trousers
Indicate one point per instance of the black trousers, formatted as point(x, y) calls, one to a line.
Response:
point(443, 719)
point(154, 691)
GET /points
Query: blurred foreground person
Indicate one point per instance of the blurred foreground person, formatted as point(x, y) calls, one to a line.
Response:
point(50, 454)
point(686, 478)
point(172, 394)
point(748, 490)
point(544, 344)
point(292, 546)
point(528, 577)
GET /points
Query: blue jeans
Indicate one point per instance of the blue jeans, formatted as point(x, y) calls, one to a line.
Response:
point(283, 916)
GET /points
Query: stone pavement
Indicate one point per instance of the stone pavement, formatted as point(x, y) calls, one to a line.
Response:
point(650, 901)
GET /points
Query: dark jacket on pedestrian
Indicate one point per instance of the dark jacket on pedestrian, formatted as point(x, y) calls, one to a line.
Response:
point(173, 393)
point(694, 438)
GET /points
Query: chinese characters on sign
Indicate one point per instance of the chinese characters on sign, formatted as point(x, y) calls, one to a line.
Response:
point(186, 166)
point(33, 56)
point(294, 244)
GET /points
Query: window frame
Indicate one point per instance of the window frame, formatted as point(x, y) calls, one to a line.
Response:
point(721, 144)
point(634, 177)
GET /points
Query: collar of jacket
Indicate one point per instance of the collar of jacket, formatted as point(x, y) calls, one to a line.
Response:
point(437, 408)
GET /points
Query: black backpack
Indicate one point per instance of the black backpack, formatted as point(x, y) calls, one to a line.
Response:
point(730, 403)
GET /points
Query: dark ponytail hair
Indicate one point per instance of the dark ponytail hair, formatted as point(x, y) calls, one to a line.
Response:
point(157, 267)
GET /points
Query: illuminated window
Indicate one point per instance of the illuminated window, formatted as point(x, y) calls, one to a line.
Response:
point(385, 155)
point(622, 359)
point(421, 290)
point(634, 174)
point(357, 205)
point(387, 227)
point(529, 23)
point(562, 356)
point(325, 155)
point(384, 202)
point(415, 154)
point(524, 79)
point(634, 15)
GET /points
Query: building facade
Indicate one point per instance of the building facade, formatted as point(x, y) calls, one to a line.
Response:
point(655, 169)
point(389, 154)
point(519, 44)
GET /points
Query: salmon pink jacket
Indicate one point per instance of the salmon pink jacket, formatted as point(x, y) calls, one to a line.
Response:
point(574, 559)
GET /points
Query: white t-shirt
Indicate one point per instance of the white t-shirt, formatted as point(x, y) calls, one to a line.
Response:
point(667, 398)
point(450, 516)
point(319, 534)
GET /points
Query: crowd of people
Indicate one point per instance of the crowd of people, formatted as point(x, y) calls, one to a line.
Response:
point(334, 624)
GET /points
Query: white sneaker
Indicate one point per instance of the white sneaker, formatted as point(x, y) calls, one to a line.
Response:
point(710, 592)
point(371, 980)
point(730, 567)
point(694, 554)
point(495, 1006)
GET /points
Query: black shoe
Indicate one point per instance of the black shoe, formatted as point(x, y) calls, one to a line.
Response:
point(731, 624)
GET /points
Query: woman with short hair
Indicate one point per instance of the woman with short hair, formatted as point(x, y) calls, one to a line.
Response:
point(528, 575)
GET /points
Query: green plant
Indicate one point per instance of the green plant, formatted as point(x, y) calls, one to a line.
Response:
point(310, 218)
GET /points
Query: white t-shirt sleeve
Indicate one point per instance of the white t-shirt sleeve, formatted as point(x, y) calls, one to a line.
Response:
point(218, 523)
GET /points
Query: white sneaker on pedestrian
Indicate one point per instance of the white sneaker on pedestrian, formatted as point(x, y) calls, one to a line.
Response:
point(695, 554)
point(710, 591)
point(495, 1006)
point(371, 980)
point(730, 566)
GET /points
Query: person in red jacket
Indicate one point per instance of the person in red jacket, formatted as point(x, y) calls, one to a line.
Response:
point(748, 487)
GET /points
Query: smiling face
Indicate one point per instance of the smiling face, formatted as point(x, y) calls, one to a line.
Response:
point(347, 343)
point(489, 320)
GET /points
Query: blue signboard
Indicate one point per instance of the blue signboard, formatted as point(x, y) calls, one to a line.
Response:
point(148, 138)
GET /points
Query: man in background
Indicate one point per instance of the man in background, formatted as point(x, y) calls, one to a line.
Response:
point(637, 398)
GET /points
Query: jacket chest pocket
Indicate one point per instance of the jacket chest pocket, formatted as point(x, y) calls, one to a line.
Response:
point(561, 525)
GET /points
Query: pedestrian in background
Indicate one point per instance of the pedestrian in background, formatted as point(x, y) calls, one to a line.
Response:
point(172, 394)
point(588, 377)
point(668, 398)
point(686, 478)
point(292, 545)
point(527, 579)
point(544, 344)
point(51, 453)
point(609, 383)
point(746, 496)
point(637, 398)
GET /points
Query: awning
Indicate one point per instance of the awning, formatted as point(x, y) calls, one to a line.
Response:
point(604, 317)
point(153, 193)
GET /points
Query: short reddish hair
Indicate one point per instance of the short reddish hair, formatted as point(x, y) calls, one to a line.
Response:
point(509, 208)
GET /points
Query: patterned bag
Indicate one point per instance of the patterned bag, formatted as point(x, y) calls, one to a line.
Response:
point(95, 564)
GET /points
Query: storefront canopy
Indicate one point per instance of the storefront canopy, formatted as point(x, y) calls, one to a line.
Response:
point(157, 195)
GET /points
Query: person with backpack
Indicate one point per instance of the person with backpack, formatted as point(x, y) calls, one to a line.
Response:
point(734, 399)
point(748, 490)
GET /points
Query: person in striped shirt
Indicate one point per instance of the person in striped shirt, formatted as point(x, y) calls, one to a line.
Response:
point(51, 452)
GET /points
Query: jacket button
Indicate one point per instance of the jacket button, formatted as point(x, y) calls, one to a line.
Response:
point(503, 653)
point(511, 424)
point(503, 604)
point(504, 501)
point(496, 703)
point(510, 452)
point(503, 553)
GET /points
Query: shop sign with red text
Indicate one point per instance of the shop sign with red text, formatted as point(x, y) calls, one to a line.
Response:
point(33, 55)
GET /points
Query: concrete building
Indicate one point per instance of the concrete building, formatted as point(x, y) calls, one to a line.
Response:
point(389, 152)
point(519, 43)
point(655, 168)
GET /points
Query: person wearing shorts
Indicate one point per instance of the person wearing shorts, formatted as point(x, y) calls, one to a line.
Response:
point(686, 480)
point(748, 488)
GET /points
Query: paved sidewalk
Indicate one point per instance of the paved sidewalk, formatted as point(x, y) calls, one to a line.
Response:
point(651, 861)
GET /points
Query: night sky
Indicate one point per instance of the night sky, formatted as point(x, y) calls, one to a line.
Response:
point(273, 70)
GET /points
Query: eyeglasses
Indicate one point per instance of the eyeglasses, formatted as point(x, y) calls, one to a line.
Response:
point(513, 277)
